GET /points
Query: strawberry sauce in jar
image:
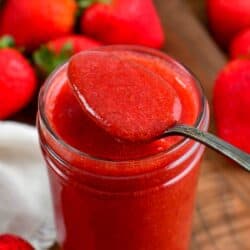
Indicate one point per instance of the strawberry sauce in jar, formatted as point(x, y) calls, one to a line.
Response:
point(110, 194)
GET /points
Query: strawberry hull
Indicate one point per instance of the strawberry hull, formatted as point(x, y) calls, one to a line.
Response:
point(111, 195)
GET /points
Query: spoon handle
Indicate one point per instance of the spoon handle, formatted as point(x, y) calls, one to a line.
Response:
point(213, 142)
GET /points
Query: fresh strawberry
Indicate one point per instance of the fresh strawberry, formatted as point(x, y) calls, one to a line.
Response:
point(232, 103)
point(17, 80)
point(32, 23)
point(75, 43)
point(123, 22)
point(240, 46)
point(57, 51)
point(227, 18)
point(13, 242)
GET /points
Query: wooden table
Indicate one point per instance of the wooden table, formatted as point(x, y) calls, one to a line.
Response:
point(222, 215)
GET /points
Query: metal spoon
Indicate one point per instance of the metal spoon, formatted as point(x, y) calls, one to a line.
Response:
point(242, 158)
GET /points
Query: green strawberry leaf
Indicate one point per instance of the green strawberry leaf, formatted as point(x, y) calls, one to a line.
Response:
point(6, 42)
point(47, 60)
point(86, 3)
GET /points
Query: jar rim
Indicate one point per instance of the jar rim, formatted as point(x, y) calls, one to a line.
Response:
point(175, 147)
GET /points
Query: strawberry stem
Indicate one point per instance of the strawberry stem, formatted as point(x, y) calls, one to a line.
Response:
point(6, 42)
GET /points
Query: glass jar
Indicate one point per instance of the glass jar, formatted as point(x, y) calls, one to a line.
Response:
point(147, 209)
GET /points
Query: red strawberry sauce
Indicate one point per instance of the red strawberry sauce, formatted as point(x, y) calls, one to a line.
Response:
point(124, 98)
point(115, 195)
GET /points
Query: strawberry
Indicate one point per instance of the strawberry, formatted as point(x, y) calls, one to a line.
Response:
point(227, 18)
point(123, 22)
point(240, 45)
point(57, 51)
point(13, 242)
point(76, 43)
point(17, 80)
point(232, 103)
point(32, 23)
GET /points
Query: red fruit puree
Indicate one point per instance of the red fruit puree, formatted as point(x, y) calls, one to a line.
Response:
point(112, 194)
point(122, 97)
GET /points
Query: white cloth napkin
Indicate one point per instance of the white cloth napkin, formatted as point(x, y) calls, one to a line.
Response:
point(25, 203)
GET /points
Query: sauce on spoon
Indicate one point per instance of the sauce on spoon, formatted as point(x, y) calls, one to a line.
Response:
point(124, 98)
